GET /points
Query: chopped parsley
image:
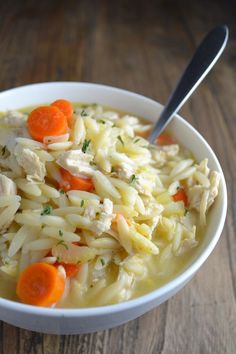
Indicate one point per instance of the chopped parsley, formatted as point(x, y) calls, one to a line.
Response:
point(101, 121)
point(47, 210)
point(102, 261)
point(60, 233)
point(133, 180)
point(113, 169)
point(136, 140)
point(4, 150)
point(62, 242)
point(97, 214)
point(120, 139)
point(82, 203)
point(62, 191)
point(85, 145)
point(84, 113)
point(92, 163)
point(185, 211)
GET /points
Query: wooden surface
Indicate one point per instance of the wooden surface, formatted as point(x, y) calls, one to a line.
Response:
point(143, 47)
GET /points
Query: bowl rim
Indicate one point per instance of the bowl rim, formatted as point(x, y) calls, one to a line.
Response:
point(155, 294)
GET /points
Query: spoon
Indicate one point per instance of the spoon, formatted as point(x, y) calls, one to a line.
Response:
point(201, 63)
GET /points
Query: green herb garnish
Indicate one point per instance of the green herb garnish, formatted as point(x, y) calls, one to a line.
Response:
point(84, 113)
point(113, 169)
point(97, 214)
point(4, 150)
point(82, 203)
point(101, 121)
point(185, 211)
point(133, 180)
point(120, 139)
point(102, 261)
point(136, 140)
point(62, 242)
point(85, 145)
point(47, 210)
point(62, 191)
point(60, 233)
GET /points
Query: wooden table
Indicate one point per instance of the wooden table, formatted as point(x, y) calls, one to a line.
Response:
point(141, 46)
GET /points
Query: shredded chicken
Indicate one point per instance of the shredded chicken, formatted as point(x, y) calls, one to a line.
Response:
point(161, 154)
point(125, 171)
point(103, 224)
point(14, 119)
point(7, 188)
point(76, 162)
point(33, 167)
point(195, 193)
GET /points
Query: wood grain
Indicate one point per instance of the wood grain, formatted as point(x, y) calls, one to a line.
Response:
point(141, 46)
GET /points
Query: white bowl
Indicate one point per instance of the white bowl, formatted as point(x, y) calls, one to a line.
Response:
point(73, 321)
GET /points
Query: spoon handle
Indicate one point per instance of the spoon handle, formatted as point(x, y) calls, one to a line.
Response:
point(201, 63)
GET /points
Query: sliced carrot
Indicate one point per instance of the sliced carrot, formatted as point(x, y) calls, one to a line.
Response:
point(144, 134)
point(65, 107)
point(181, 195)
point(70, 268)
point(165, 139)
point(40, 284)
point(46, 121)
point(70, 182)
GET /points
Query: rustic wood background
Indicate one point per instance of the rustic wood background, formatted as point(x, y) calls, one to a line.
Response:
point(142, 46)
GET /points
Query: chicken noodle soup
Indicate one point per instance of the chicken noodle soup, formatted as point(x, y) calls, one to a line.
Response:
point(89, 205)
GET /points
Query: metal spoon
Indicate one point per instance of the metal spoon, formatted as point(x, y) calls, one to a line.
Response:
point(201, 63)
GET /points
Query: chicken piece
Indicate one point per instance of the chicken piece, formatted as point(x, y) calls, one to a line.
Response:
point(195, 193)
point(125, 171)
point(107, 206)
point(14, 119)
point(103, 224)
point(30, 162)
point(76, 162)
point(90, 211)
point(7, 186)
point(161, 154)
point(214, 187)
point(186, 245)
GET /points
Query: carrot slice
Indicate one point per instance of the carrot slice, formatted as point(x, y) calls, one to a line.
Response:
point(165, 139)
point(46, 121)
point(144, 134)
point(70, 182)
point(181, 195)
point(65, 107)
point(70, 268)
point(40, 284)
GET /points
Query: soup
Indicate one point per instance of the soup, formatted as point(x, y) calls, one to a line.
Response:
point(91, 213)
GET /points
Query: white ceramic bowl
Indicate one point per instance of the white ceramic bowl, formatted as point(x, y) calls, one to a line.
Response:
point(73, 321)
